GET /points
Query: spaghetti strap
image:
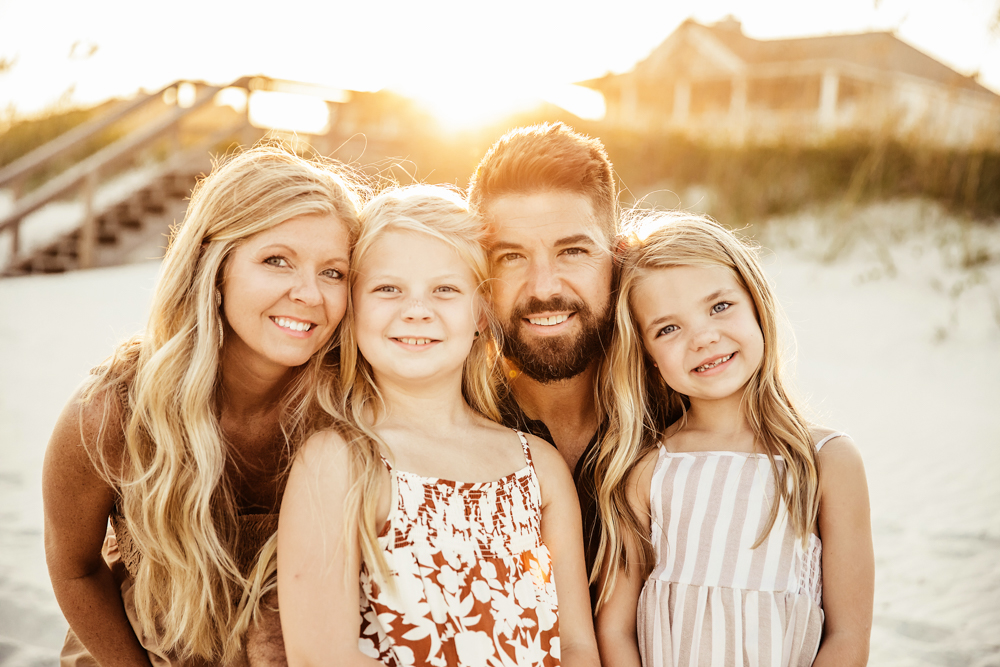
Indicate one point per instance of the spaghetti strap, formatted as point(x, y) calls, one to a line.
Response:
point(819, 445)
point(385, 462)
point(527, 450)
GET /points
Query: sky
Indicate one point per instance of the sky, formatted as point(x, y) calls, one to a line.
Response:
point(461, 57)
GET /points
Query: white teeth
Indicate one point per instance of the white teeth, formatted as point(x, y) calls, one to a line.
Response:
point(286, 323)
point(415, 341)
point(714, 363)
point(548, 321)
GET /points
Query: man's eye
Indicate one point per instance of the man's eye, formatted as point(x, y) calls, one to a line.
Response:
point(276, 260)
point(509, 257)
point(575, 251)
point(721, 306)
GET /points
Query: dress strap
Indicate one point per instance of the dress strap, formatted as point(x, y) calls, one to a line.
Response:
point(385, 462)
point(819, 445)
point(527, 450)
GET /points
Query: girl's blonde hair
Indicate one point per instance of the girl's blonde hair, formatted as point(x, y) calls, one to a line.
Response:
point(640, 406)
point(441, 214)
point(175, 498)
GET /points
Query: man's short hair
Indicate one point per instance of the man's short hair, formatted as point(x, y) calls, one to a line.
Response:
point(543, 158)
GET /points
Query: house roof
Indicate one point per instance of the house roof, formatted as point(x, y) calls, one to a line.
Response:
point(878, 50)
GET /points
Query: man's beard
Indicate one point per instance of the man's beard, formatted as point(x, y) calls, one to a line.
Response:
point(548, 359)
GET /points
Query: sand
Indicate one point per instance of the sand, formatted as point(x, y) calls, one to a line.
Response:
point(898, 343)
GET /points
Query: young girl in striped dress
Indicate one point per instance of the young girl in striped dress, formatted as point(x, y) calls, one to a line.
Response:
point(735, 533)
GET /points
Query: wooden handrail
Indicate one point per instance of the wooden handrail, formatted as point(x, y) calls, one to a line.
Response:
point(76, 174)
point(68, 140)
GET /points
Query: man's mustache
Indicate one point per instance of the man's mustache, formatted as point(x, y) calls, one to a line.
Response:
point(534, 305)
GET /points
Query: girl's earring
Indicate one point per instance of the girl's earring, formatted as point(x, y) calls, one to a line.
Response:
point(477, 335)
point(218, 304)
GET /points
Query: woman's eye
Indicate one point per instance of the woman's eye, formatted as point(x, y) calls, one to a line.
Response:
point(276, 260)
point(719, 307)
point(333, 273)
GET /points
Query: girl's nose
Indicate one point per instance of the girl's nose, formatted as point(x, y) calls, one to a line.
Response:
point(416, 310)
point(704, 337)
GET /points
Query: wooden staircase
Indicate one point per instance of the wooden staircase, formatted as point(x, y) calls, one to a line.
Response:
point(135, 224)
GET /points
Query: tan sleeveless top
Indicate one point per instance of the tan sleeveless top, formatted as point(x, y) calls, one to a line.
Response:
point(253, 530)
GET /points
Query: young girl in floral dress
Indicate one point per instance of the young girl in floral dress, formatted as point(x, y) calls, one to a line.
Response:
point(462, 538)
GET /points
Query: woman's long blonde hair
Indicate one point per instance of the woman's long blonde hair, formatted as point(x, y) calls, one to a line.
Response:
point(175, 499)
point(640, 406)
point(441, 214)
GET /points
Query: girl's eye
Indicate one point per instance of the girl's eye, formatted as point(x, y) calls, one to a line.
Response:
point(670, 328)
point(276, 260)
point(447, 289)
point(388, 289)
point(719, 307)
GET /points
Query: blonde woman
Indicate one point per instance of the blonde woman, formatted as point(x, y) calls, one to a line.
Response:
point(734, 532)
point(183, 437)
point(461, 537)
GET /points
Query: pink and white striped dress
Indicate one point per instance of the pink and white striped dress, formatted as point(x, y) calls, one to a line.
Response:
point(712, 600)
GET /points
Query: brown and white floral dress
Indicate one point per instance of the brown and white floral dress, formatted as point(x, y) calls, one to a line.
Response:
point(472, 582)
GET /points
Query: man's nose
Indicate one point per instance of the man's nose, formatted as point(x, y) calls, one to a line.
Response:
point(543, 280)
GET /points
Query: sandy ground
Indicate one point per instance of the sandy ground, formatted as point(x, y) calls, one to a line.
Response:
point(897, 321)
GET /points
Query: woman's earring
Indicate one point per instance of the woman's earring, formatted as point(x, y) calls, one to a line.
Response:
point(218, 304)
point(477, 335)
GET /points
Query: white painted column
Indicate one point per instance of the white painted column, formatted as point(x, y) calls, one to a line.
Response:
point(828, 99)
point(629, 103)
point(738, 108)
point(682, 101)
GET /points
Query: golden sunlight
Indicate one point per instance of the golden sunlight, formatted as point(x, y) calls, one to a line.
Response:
point(463, 107)
point(288, 111)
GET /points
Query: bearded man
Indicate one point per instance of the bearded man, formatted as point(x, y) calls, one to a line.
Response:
point(548, 195)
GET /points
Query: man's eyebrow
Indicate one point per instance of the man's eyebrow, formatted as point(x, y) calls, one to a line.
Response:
point(576, 239)
point(505, 245)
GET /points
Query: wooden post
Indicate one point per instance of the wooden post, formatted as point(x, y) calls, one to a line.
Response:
point(15, 241)
point(88, 231)
point(830, 82)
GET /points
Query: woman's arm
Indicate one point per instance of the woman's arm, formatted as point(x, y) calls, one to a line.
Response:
point(617, 636)
point(77, 502)
point(848, 557)
point(318, 569)
point(562, 534)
